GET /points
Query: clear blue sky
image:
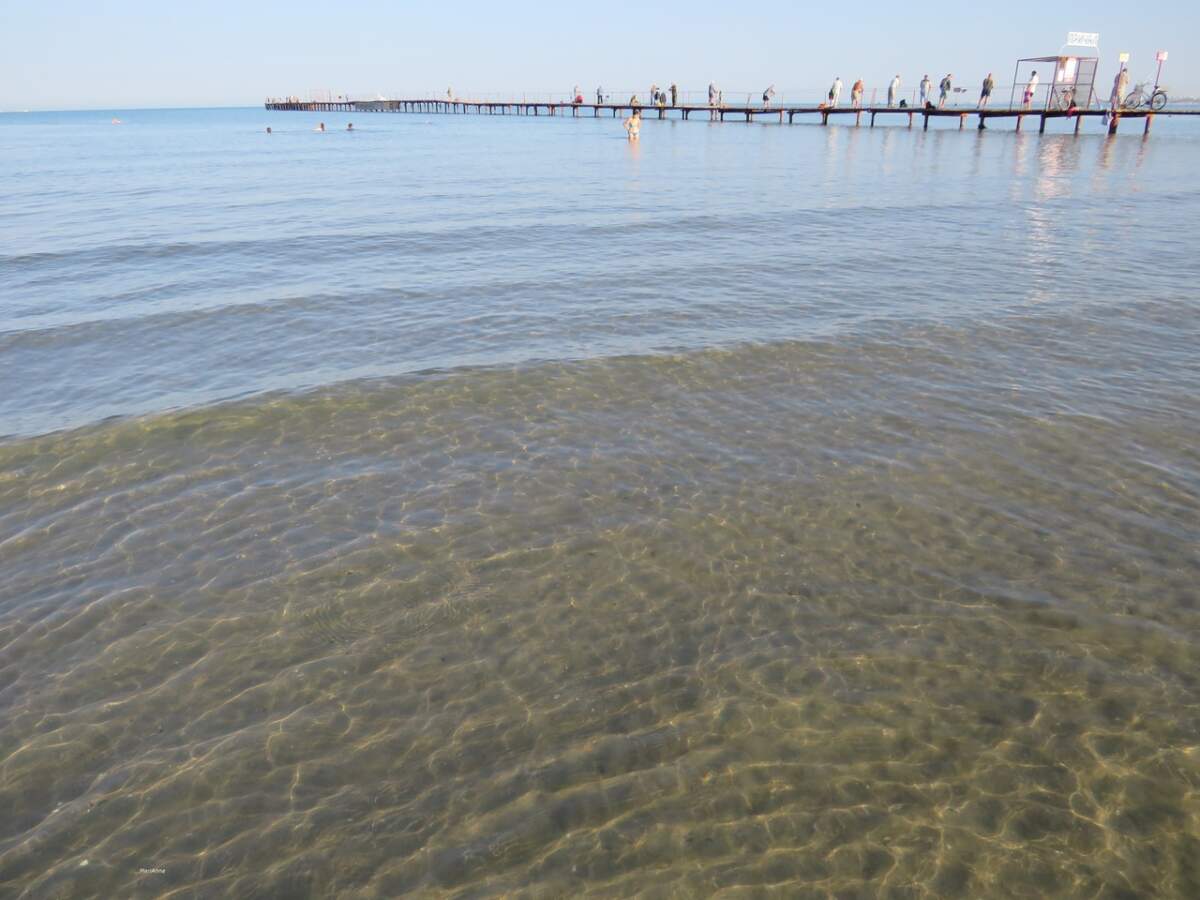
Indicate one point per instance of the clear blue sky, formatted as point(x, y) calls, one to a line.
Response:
point(122, 53)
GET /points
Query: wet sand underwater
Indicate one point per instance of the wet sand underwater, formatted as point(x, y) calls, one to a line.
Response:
point(776, 580)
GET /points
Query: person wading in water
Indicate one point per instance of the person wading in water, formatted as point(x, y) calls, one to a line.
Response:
point(633, 125)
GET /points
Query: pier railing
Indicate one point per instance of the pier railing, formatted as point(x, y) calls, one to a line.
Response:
point(962, 97)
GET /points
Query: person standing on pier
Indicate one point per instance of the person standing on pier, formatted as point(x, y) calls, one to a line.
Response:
point(944, 90)
point(856, 93)
point(654, 94)
point(767, 95)
point(835, 92)
point(926, 90)
point(1120, 83)
point(1030, 90)
point(986, 93)
point(599, 96)
point(894, 89)
point(674, 94)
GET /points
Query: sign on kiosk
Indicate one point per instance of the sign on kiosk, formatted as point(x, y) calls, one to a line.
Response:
point(1161, 56)
point(1083, 39)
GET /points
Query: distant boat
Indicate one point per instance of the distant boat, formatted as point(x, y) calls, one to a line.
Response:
point(117, 121)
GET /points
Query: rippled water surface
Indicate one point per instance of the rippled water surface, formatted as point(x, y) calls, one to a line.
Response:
point(469, 506)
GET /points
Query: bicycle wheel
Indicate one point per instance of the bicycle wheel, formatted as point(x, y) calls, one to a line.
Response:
point(1158, 101)
point(1133, 100)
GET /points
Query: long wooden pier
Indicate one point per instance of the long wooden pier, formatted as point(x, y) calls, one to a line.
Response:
point(720, 113)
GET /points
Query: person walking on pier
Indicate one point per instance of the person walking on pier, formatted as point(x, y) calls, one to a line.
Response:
point(674, 94)
point(599, 96)
point(926, 90)
point(767, 95)
point(893, 90)
point(1030, 90)
point(835, 92)
point(986, 93)
point(856, 93)
point(944, 90)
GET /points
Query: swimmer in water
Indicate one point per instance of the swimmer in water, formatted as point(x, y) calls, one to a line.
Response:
point(633, 125)
point(268, 129)
point(320, 128)
point(350, 127)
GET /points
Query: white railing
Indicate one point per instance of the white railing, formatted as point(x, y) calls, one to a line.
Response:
point(960, 98)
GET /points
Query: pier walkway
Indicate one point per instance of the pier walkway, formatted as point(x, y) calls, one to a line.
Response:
point(721, 113)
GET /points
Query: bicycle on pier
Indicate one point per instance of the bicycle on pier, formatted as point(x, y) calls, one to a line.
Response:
point(1063, 98)
point(1141, 95)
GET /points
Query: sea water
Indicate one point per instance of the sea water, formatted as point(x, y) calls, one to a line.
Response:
point(467, 505)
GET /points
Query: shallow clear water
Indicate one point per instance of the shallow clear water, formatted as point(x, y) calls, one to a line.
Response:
point(474, 505)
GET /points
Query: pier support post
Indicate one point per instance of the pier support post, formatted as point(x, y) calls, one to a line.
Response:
point(1042, 125)
point(1113, 119)
point(824, 117)
point(926, 126)
point(1078, 122)
point(1019, 118)
point(858, 118)
point(962, 121)
point(910, 115)
point(1149, 119)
